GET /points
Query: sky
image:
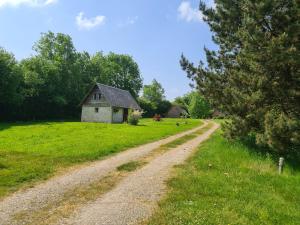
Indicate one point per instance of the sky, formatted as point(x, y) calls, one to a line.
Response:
point(154, 32)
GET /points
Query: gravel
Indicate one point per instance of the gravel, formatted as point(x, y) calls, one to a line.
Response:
point(135, 197)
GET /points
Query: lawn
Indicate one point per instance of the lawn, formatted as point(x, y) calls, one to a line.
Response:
point(229, 183)
point(30, 152)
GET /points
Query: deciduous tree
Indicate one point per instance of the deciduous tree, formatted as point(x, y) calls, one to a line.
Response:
point(117, 70)
point(198, 107)
point(10, 85)
point(153, 100)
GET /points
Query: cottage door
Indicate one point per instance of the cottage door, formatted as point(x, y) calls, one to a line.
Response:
point(125, 115)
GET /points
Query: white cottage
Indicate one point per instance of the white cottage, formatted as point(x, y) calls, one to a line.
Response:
point(107, 104)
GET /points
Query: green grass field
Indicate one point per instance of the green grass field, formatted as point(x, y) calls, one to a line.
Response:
point(31, 152)
point(227, 183)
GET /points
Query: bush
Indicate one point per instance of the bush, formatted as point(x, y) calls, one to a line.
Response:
point(152, 108)
point(148, 107)
point(157, 117)
point(134, 117)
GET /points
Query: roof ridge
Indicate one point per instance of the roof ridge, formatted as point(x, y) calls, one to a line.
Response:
point(112, 87)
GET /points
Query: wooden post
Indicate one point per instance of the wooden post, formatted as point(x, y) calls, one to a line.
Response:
point(280, 165)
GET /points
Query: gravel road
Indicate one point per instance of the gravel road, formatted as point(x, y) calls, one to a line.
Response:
point(136, 196)
point(53, 190)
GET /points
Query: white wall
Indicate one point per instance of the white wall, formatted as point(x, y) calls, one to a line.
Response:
point(104, 114)
point(118, 116)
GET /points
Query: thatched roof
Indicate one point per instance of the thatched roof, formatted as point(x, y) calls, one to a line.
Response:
point(115, 97)
point(176, 111)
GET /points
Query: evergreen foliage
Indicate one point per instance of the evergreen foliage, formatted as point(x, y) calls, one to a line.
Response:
point(254, 76)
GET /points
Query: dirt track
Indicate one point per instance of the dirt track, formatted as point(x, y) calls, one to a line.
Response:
point(135, 197)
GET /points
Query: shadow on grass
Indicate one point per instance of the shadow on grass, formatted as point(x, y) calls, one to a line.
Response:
point(292, 159)
point(2, 166)
point(4, 126)
point(7, 125)
point(138, 125)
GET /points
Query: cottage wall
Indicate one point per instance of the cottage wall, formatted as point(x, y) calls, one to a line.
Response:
point(91, 100)
point(96, 109)
point(89, 114)
point(117, 115)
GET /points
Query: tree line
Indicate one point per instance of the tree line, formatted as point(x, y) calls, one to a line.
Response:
point(153, 101)
point(51, 83)
point(254, 76)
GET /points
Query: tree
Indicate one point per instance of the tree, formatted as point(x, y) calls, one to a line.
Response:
point(58, 76)
point(254, 76)
point(52, 83)
point(154, 92)
point(183, 101)
point(10, 85)
point(195, 104)
point(153, 100)
point(53, 78)
point(163, 107)
point(44, 97)
point(149, 109)
point(198, 106)
point(117, 70)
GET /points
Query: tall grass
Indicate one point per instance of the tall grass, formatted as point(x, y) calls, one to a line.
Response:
point(229, 183)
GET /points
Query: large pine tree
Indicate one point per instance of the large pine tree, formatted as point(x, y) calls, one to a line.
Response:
point(254, 76)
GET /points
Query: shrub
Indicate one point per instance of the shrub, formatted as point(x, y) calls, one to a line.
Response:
point(148, 107)
point(152, 108)
point(133, 118)
point(157, 117)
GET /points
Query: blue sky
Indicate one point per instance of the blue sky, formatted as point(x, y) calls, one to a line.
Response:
point(154, 32)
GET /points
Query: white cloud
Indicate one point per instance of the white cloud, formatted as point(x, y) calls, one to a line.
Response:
point(49, 2)
point(31, 3)
point(187, 13)
point(128, 21)
point(132, 20)
point(85, 23)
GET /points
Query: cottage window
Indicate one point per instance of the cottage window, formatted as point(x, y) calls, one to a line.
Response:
point(99, 96)
point(95, 96)
point(96, 110)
